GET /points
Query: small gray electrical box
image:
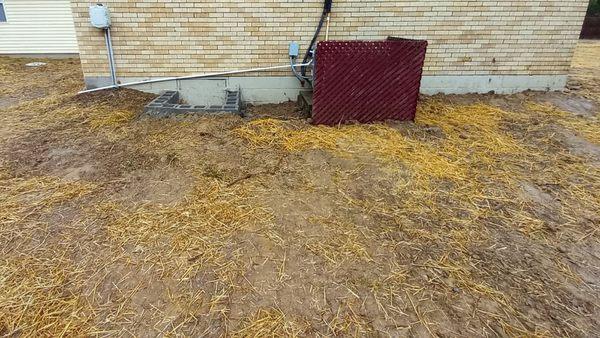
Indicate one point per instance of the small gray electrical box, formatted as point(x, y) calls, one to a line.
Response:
point(99, 16)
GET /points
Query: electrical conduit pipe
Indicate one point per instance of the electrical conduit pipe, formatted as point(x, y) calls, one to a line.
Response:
point(199, 76)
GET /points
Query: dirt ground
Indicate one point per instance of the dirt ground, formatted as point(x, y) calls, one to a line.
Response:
point(480, 219)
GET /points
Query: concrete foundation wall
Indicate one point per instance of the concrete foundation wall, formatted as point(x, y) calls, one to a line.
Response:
point(279, 89)
point(500, 84)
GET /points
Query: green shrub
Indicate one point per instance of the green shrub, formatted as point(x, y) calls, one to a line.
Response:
point(594, 7)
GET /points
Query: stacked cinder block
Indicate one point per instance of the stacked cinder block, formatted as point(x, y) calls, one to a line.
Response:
point(466, 37)
point(167, 104)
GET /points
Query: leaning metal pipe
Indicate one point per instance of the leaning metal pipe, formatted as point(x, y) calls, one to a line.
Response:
point(327, 28)
point(200, 76)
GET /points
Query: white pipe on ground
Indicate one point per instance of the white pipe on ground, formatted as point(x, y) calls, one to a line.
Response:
point(200, 76)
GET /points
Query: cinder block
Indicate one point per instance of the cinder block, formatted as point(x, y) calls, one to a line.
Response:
point(167, 104)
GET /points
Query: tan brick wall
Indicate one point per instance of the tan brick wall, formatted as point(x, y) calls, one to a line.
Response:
point(177, 37)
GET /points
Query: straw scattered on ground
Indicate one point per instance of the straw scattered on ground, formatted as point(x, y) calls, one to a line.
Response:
point(479, 219)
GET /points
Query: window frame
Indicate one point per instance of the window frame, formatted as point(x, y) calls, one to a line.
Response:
point(3, 10)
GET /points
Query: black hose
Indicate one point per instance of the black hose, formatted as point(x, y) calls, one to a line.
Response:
point(312, 43)
point(326, 10)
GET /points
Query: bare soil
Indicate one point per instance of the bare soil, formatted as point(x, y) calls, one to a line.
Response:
point(481, 218)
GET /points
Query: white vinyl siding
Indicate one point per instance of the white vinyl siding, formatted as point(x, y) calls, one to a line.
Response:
point(37, 26)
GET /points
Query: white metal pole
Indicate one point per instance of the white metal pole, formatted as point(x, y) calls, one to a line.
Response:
point(111, 58)
point(327, 29)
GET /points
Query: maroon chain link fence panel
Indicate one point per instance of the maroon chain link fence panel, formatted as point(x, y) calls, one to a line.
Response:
point(591, 27)
point(367, 81)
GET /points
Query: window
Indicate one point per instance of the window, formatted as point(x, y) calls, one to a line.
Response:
point(2, 12)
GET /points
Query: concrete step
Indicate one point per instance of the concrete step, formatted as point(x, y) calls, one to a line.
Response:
point(305, 102)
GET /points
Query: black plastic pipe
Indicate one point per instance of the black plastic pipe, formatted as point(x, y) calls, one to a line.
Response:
point(326, 10)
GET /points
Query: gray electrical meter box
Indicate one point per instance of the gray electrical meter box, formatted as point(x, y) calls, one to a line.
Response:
point(99, 16)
